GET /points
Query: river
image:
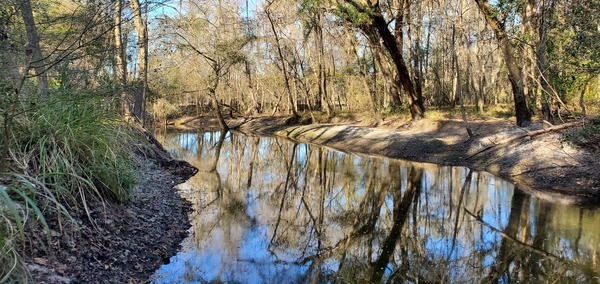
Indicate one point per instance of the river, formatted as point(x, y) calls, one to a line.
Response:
point(270, 210)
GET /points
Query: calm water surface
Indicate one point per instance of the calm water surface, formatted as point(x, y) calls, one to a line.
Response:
point(268, 210)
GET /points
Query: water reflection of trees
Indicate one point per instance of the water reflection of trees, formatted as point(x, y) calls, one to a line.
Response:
point(349, 218)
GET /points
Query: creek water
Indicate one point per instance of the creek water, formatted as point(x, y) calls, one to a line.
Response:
point(270, 210)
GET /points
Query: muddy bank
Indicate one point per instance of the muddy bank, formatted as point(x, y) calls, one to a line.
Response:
point(543, 165)
point(122, 243)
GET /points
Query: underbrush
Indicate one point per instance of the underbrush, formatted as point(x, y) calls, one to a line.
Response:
point(58, 155)
point(586, 136)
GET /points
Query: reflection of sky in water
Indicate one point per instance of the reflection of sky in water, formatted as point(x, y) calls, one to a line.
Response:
point(231, 240)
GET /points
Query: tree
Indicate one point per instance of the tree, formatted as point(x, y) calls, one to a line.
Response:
point(121, 59)
point(141, 30)
point(33, 49)
point(219, 46)
point(286, 80)
point(369, 18)
point(515, 72)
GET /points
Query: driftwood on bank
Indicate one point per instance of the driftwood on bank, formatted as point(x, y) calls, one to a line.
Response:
point(157, 152)
point(527, 134)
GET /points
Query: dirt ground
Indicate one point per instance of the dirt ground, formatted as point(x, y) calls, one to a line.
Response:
point(542, 165)
point(125, 243)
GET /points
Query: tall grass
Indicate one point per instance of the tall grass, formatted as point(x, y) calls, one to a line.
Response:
point(79, 146)
point(62, 154)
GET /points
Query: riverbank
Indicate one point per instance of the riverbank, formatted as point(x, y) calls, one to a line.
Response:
point(118, 243)
point(543, 165)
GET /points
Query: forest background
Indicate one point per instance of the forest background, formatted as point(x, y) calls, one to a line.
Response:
point(73, 71)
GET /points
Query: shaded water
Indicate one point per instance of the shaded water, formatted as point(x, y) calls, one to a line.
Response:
point(268, 210)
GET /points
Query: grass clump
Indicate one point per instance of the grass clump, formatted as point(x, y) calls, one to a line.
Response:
point(79, 147)
point(59, 155)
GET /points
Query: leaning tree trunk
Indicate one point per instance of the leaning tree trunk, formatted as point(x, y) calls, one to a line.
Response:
point(415, 101)
point(33, 47)
point(515, 76)
point(377, 27)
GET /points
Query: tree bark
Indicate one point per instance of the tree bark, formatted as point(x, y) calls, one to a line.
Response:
point(119, 47)
point(9, 61)
point(213, 95)
point(120, 60)
point(33, 48)
point(394, 86)
point(377, 27)
point(141, 30)
point(515, 76)
point(542, 31)
point(415, 101)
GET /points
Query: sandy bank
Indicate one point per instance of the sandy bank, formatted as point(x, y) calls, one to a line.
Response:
point(543, 165)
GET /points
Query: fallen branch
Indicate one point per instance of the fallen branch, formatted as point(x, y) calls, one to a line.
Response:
point(527, 134)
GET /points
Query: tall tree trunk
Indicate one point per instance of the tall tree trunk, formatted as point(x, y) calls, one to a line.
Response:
point(213, 94)
point(33, 46)
point(119, 47)
point(415, 101)
point(529, 61)
point(515, 75)
point(256, 107)
point(414, 47)
point(121, 63)
point(377, 26)
point(320, 74)
point(542, 32)
point(282, 60)
point(456, 80)
point(141, 30)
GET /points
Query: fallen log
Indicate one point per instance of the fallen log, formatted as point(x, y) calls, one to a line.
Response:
point(527, 134)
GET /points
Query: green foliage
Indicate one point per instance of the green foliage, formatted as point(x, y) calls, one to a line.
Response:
point(78, 146)
point(587, 136)
point(574, 47)
point(10, 263)
point(353, 14)
point(64, 151)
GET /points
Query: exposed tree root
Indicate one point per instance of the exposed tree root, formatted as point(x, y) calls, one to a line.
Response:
point(157, 152)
